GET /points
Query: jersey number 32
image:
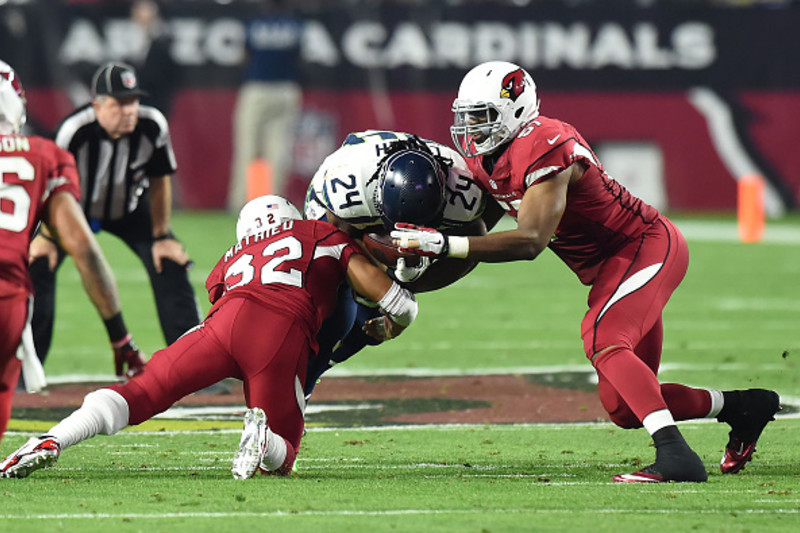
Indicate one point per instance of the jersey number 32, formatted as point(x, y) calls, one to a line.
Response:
point(273, 270)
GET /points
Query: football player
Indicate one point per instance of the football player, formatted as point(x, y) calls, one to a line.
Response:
point(375, 179)
point(270, 293)
point(542, 172)
point(39, 181)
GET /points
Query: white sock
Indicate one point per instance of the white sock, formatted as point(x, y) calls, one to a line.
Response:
point(717, 401)
point(276, 452)
point(103, 411)
point(658, 420)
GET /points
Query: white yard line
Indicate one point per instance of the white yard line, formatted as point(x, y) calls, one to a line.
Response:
point(387, 512)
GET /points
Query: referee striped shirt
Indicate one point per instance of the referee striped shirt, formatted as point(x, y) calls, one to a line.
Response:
point(114, 172)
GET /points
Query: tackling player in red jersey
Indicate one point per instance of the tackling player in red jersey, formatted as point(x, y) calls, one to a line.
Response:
point(38, 181)
point(542, 172)
point(270, 293)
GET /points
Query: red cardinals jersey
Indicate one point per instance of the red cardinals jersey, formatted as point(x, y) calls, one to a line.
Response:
point(601, 215)
point(295, 268)
point(32, 170)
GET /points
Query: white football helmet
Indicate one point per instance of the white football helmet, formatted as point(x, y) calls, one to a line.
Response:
point(12, 98)
point(264, 212)
point(494, 101)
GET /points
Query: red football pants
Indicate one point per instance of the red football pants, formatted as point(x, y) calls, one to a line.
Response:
point(624, 322)
point(243, 339)
point(13, 315)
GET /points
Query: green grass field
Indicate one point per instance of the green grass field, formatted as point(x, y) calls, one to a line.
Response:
point(733, 323)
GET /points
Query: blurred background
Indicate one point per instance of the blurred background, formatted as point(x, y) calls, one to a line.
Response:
point(680, 99)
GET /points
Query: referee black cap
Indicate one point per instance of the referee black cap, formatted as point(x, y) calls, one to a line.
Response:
point(117, 80)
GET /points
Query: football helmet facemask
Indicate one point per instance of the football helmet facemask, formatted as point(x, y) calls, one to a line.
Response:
point(410, 185)
point(12, 98)
point(263, 213)
point(495, 100)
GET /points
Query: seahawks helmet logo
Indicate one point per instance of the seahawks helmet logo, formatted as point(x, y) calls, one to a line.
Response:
point(513, 85)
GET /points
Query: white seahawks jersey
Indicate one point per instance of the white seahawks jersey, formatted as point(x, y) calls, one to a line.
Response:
point(346, 181)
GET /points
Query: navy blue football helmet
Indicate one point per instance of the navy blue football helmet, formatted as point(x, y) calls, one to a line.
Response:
point(411, 187)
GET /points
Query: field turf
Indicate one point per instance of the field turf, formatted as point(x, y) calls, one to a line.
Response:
point(734, 322)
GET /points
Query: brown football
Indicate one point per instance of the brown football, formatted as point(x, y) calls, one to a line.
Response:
point(380, 246)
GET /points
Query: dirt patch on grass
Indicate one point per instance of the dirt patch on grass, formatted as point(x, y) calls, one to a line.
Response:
point(495, 399)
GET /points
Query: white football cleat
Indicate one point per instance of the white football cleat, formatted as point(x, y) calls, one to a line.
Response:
point(252, 445)
point(37, 453)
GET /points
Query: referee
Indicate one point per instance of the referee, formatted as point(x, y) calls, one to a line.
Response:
point(125, 160)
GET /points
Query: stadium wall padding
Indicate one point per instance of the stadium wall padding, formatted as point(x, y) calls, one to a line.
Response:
point(616, 74)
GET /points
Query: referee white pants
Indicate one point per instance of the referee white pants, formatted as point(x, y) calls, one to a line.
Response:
point(264, 127)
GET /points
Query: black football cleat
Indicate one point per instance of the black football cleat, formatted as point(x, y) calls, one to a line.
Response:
point(751, 411)
point(675, 462)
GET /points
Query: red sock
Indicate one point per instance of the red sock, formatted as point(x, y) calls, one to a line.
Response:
point(686, 403)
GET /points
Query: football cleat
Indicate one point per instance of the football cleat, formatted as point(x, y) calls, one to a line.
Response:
point(37, 453)
point(252, 445)
point(756, 408)
point(651, 474)
point(128, 354)
point(645, 475)
point(736, 456)
point(675, 461)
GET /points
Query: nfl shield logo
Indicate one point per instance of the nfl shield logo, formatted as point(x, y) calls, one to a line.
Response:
point(128, 79)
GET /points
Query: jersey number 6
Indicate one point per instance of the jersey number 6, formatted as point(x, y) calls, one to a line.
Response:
point(17, 219)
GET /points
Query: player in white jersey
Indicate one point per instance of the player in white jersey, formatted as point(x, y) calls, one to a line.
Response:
point(377, 178)
point(346, 182)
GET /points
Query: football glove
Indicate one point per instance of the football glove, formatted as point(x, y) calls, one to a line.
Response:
point(127, 353)
point(409, 274)
point(420, 240)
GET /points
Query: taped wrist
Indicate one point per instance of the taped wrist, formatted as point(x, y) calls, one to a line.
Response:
point(457, 247)
point(400, 305)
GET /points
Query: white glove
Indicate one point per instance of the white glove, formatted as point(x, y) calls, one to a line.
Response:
point(421, 241)
point(408, 274)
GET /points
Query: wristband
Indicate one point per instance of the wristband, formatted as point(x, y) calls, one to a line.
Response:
point(117, 332)
point(458, 247)
point(165, 236)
